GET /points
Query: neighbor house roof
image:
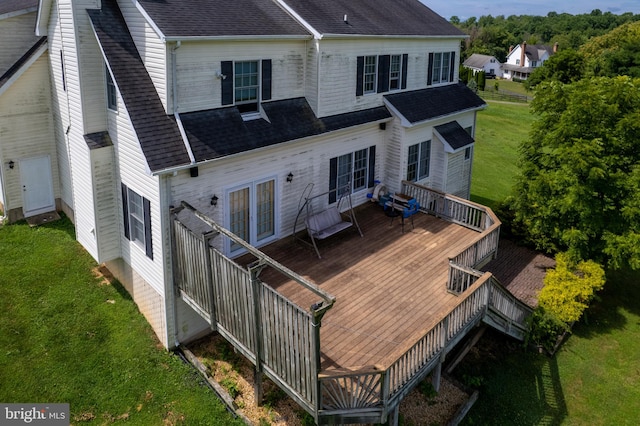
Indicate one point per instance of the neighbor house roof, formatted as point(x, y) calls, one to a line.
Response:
point(536, 51)
point(372, 17)
point(181, 19)
point(221, 132)
point(158, 134)
point(454, 135)
point(12, 7)
point(478, 61)
point(426, 104)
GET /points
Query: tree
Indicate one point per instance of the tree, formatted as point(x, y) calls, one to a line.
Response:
point(565, 66)
point(579, 189)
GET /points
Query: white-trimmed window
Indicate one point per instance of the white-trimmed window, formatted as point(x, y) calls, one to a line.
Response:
point(246, 85)
point(112, 93)
point(440, 67)
point(418, 161)
point(370, 73)
point(352, 172)
point(136, 215)
point(395, 72)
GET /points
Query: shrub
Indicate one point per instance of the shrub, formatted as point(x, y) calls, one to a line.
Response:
point(570, 287)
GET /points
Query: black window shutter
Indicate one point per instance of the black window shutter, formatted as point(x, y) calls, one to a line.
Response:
point(383, 73)
point(430, 70)
point(453, 66)
point(226, 68)
point(372, 165)
point(405, 61)
point(147, 228)
point(360, 76)
point(125, 210)
point(266, 79)
point(333, 180)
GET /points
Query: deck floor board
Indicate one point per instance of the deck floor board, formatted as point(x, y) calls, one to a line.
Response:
point(390, 286)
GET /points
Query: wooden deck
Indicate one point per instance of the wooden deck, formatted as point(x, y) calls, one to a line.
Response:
point(390, 286)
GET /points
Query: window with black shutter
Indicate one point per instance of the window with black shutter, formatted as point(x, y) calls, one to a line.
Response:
point(136, 218)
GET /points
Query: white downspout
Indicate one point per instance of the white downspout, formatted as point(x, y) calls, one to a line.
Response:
point(174, 78)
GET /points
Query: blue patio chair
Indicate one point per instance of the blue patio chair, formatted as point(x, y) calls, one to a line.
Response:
point(412, 208)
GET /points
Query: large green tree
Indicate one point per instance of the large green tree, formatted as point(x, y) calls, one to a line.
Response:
point(579, 189)
point(565, 66)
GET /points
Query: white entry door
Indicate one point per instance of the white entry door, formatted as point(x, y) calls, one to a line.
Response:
point(37, 185)
point(252, 213)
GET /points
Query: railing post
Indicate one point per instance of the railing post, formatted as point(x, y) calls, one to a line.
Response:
point(386, 391)
point(255, 270)
point(316, 322)
point(213, 318)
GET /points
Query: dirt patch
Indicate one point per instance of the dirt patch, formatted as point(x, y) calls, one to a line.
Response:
point(423, 406)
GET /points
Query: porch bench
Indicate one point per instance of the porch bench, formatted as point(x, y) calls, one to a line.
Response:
point(326, 223)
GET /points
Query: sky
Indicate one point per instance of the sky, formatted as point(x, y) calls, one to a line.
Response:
point(464, 9)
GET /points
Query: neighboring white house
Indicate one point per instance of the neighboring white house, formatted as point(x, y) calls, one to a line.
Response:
point(489, 64)
point(155, 103)
point(29, 169)
point(524, 58)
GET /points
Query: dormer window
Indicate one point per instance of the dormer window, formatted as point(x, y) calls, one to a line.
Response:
point(245, 84)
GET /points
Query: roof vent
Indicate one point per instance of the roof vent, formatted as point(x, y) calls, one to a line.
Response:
point(346, 21)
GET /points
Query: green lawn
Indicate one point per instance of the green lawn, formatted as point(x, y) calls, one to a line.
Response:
point(501, 127)
point(593, 380)
point(510, 86)
point(68, 337)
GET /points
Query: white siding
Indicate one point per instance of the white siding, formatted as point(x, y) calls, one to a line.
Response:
point(338, 65)
point(151, 48)
point(198, 62)
point(312, 74)
point(17, 35)
point(26, 128)
point(307, 160)
point(458, 178)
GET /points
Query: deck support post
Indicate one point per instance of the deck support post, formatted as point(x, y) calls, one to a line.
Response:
point(394, 416)
point(255, 270)
point(437, 374)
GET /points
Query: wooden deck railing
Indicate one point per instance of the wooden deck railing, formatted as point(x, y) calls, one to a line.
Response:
point(283, 340)
point(280, 338)
point(468, 214)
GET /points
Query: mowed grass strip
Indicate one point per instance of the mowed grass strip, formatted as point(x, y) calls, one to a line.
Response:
point(66, 336)
point(500, 130)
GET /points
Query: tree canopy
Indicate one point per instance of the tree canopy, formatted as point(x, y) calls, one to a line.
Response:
point(579, 190)
point(565, 66)
point(614, 53)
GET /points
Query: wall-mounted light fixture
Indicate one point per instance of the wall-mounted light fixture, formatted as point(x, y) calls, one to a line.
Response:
point(12, 164)
point(289, 177)
point(220, 76)
point(214, 200)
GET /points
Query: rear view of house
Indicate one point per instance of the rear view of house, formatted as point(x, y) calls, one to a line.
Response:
point(182, 135)
point(524, 58)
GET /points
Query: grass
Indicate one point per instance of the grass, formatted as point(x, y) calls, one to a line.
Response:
point(67, 336)
point(501, 127)
point(594, 379)
point(510, 86)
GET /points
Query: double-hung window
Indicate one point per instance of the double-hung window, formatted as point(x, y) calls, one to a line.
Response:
point(370, 73)
point(380, 74)
point(245, 84)
point(418, 161)
point(112, 93)
point(352, 172)
point(136, 215)
point(441, 67)
point(395, 72)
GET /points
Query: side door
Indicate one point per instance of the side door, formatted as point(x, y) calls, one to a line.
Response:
point(37, 185)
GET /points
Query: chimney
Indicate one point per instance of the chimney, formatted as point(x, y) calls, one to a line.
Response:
point(555, 47)
point(524, 48)
point(510, 49)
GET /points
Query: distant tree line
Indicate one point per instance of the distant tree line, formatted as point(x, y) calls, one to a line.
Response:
point(494, 36)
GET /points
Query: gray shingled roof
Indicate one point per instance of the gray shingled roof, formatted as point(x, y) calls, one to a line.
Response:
point(535, 51)
point(426, 104)
point(373, 17)
point(454, 135)
point(478, 61)
point(220, 132)
point(20, 62)
point(157, 133)
point(207, 18)
point(9, 6)
point(98, 140)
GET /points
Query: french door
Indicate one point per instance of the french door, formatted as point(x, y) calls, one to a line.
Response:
point(252, 213)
